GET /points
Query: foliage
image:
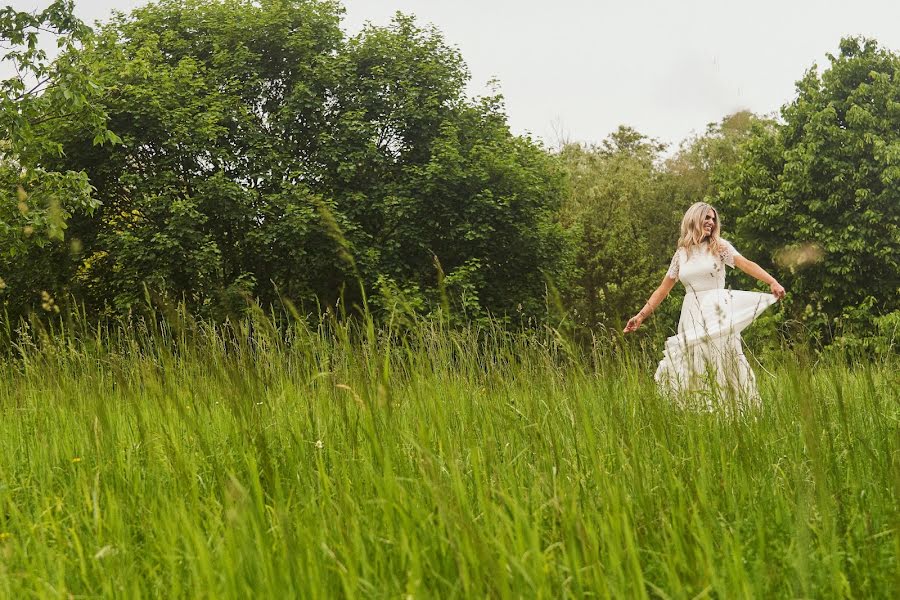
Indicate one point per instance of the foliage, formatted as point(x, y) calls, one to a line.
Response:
point(261, 153)
point(423, 174)
point(623, 210)
point(265, 155)
point(203, 200)
point(693, 173)
point(623, 228)
point(37, 200)
point(819, 196)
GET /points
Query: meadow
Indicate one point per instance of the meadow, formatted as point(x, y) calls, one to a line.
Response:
point(170, 458)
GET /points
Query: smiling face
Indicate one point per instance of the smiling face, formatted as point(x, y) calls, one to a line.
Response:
point(700, 224)
point(709, 222)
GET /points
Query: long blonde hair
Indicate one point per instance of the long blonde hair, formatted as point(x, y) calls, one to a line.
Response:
point(692, 233)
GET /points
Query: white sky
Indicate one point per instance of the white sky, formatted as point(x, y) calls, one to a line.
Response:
point(576, 69)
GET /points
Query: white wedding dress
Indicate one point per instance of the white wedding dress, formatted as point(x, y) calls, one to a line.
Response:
point(705, 356)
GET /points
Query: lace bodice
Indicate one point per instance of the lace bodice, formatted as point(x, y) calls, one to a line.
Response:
point(701, 270)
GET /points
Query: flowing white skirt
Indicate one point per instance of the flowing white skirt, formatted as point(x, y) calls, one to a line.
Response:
point(706, 354)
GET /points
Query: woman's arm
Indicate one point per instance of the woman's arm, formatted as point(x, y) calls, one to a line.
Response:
point(655, 299)
point(754, 270)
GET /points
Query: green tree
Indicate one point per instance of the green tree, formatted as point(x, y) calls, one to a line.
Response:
point(694, 171)
point(41, 95)
point(819, 195)
point(264, 153)
point(624, 228)
point(219, 106)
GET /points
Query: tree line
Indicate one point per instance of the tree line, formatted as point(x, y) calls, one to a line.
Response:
point(215, 152)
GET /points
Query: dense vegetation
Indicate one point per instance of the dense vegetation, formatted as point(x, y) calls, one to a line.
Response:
point(820, 194)
point(211, 152)
point(262, 153)
point(196, 195)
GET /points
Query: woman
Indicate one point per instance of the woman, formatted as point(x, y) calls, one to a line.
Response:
point(706, 354)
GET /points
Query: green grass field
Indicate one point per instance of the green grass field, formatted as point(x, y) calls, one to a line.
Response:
point(192, 462)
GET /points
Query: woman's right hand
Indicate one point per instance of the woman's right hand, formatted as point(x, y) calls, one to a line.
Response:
point(633, 323)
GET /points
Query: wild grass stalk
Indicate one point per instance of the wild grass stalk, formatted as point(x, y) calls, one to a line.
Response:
point(280, 457)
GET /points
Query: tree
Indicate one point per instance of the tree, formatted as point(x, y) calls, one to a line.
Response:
point(40, 96)
point(819, 195)
point(694, 171)
point(219, 106)
point(266, 155)
point(624, 227)
point(423, 174)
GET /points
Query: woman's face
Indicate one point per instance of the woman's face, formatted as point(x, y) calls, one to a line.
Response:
point(709, 222)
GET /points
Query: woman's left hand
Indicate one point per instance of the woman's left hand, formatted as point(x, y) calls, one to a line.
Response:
point(777, 290)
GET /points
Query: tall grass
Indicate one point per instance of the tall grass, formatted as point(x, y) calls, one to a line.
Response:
point(181, 459)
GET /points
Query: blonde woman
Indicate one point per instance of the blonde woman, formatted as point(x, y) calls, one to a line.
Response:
point(706, 352)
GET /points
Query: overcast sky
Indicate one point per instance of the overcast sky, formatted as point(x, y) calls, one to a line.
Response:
point(577, 69)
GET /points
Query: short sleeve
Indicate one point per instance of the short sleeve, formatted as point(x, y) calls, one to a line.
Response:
point(727, 253)
point(674, 266)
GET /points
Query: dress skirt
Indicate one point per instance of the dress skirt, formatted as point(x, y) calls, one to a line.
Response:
point(706, 354)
